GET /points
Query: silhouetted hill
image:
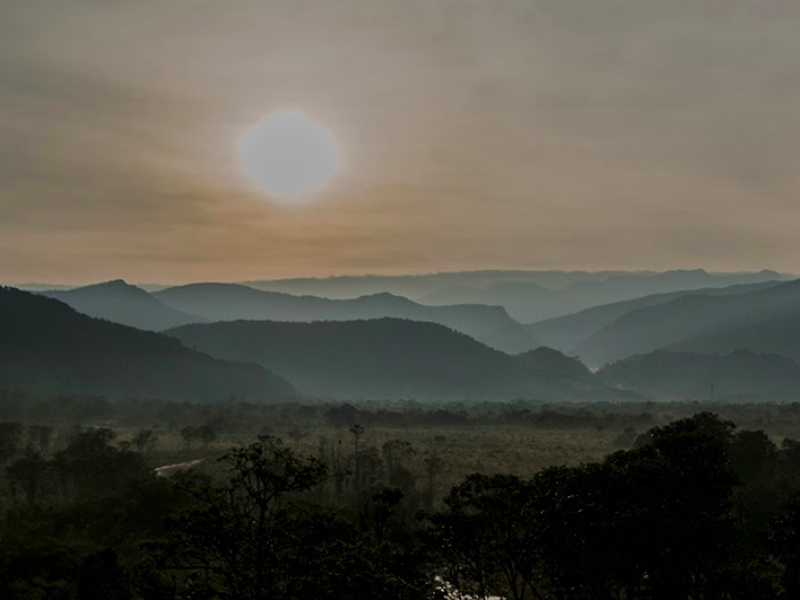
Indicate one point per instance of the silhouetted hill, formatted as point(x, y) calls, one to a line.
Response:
point(778, 335)
point(569, 332)
point(417, 287)
point(672, 323)
point(530, 302)
point(552, 361)
point(229, 302)
point(123, 303)
point(689, 376)
point(46, 347)
point(382, 359)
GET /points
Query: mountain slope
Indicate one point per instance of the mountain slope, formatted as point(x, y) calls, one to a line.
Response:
point(778, 335)
point(422, 285)
point(570, 331)
point(229, 302)
point(46, 347)
point(548, 360)
point(382, 358)
point(691, 376)
point(529, 302)
point(123, 303)
point(668, 325)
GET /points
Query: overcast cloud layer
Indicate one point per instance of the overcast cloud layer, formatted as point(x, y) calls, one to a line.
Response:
point(526, 134)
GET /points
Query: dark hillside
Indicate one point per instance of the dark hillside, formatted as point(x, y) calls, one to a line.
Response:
point(123, 303)
point(690, 376)
point(779, 335)
point(46, 347)
point(382, 358)
point(688, 317)
point(570, 331)
point(228, 302)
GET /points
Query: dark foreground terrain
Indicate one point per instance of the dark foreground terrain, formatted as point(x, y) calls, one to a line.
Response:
point(401, 500)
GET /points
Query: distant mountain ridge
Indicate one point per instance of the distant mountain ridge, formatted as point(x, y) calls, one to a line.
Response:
point(685, 321)
point(388, 359)
point(418, 287)
point(548, 360)
point(776, 335)
point(46, 347)
point(229, 302)
point(742, 374)
point(528, 296)
point(123, 303)
point(567, 333)
point(530, 302)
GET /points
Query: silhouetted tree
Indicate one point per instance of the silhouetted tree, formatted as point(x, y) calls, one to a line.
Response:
point(246, 540)
point(145, 439)
point(189, 434)
point(101, 576)
point(40, 437)
point(28, 475)
point(649, 523)
point(344, 415)
point(433, 464)
point(484, 537)
point(10, 440)
point(395, 452)
point(90, 464)
point(206, 434)
point(357, 431)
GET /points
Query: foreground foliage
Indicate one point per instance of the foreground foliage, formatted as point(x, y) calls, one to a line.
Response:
point(696, 510)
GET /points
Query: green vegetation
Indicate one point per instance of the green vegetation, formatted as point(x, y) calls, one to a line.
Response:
point(117, 480)
point(522, 500)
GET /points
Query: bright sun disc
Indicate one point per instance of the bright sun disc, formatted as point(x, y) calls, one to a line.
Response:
point(289, 154)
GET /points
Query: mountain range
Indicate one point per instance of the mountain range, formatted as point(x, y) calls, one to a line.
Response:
point(742, 374)
point(692, 322)
point(229, 302)
point(391, 359)
point(567, 333)
point(123, 303)
point(46, 347)
point(205, 302)
point(572, 290)
point(529, 302)
point(387, 346)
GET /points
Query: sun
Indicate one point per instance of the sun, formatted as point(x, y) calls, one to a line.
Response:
point(289, 154)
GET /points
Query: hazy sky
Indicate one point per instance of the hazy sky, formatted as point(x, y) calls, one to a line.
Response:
point(474, 133)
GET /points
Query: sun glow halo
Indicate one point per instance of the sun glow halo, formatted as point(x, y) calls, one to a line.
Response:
point(289, 154)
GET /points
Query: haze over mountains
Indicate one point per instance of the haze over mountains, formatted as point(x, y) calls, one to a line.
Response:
point(739, 375)
point(46, 347)
point(567, 333)
point(780, 335)
point(388, 346)
point(123, 303)
point(530, 302)
point(391, 358)
point(528, 296)
point(689, 322)
point(203, 302)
